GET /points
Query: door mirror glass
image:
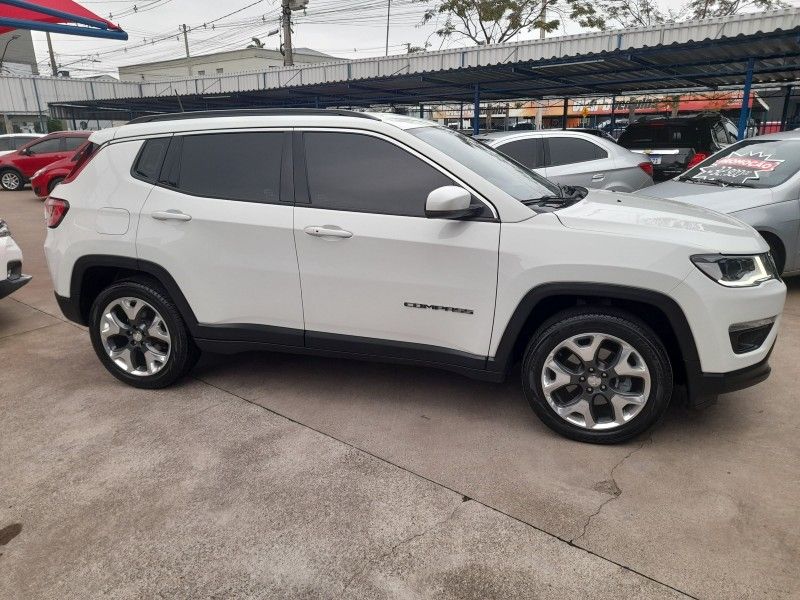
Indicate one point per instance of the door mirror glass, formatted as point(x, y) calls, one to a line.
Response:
point(450, 202)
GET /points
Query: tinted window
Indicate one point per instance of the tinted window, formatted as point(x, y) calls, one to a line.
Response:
point(347, 171)
point(565, 151)
point(148, 165)
point(6, 144)
point(752, 163)
point(51, 145)
point(73, 143)
point(21, 141)
point(234, 166)
point(529, 152)
point(659, 135)
point(488, 163)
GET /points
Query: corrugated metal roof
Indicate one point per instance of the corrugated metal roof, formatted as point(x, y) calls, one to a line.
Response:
point(705, 54)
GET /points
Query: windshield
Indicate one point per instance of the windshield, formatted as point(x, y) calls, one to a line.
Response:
point(752, 163)
point(509, 176)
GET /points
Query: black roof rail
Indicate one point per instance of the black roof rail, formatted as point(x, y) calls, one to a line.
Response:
point(250, 112)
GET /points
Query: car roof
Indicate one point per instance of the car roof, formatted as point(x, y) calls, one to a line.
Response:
point(209, 120)
point(14, 135)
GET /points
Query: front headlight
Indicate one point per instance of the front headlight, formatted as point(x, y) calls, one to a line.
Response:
point(4, 231)
point(737, 271)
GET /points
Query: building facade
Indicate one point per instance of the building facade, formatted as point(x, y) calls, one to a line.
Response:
point(220, 63)
point(18, 55)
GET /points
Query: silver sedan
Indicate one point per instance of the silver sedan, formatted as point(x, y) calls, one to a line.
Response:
point(756, 180)
point(574, 158)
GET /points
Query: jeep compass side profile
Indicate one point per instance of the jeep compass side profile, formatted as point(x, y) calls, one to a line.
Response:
point(381, 236)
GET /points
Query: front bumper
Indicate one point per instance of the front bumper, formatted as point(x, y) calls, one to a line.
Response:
point(704, 388)
point(9, 286)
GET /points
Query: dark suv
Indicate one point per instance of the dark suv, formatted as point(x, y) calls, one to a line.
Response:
point(677, 144)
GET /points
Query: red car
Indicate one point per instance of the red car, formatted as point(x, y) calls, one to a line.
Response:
point(46, 178)
point(16, 168)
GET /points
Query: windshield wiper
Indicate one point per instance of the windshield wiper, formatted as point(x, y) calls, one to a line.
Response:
point(718, 182)
point(569, 195)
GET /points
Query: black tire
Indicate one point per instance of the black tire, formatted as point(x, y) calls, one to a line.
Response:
point(11, 180)
point(620, 325)
point(183, 352)
point(53, 184)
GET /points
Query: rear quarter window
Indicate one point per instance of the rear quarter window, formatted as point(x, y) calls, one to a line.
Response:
point(151, 156)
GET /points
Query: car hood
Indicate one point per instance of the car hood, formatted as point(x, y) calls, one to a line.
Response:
point(59, 164)
point(635, 215)
point(722, 199)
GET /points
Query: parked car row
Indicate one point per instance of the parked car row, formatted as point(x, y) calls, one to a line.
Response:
point(379, 236)
point(18, 167)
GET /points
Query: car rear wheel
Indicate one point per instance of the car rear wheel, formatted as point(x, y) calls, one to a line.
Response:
point(53, 184)
point(597, 375)
point(139, 335)
point(11, 180)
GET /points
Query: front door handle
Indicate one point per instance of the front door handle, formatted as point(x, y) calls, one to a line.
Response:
point(327, 231)
point(170, 215)
point(598, 177)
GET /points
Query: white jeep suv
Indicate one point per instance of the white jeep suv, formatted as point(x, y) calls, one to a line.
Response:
point(385, 237)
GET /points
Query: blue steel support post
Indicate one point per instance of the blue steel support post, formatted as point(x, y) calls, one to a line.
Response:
point(476, 111)
point(744, 113)
point(613, 113)
point(787, 98)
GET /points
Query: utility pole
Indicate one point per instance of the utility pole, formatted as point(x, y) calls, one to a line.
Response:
point(388, 14)
point(186, 43)
point(539, 107)
point(288, 58)
point(52, 55)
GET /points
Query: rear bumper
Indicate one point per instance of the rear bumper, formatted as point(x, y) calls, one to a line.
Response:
point(70, 308)
point(704, 388)
point(9, 286)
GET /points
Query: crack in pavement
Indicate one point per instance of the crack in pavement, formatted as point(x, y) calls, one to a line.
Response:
point(614, 488)
point(402, 542)
point(445, 486)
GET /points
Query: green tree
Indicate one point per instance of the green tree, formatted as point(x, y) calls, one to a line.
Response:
point(632, 13)
point(54, 125)
point(496, 21)
point(642, 13)
point(704, 9)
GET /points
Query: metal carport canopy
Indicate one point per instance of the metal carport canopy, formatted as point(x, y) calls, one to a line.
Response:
point(701, 55)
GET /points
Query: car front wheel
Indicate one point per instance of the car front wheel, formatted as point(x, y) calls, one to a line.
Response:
point(597, 375)
point(11, 180)
point(139, 335)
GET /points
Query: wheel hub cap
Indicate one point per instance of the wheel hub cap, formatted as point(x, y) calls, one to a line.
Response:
point(595, 381)
point(135, 336)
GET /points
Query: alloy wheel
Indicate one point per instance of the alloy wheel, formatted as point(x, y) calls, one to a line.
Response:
point(135, 336)
point(596, 381)
point(10, 180)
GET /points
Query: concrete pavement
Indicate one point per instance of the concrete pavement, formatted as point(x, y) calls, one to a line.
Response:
point(269, 475)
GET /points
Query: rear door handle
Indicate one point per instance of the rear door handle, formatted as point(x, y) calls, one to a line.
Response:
point(327, 231)
point(170, 215)
point(598, 176)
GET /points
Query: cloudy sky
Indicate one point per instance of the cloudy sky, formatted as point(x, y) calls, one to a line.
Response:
point(339, 27)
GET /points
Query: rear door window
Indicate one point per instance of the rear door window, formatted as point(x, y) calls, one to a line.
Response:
point(528, 152)
point(569, 150)
point(233, 166)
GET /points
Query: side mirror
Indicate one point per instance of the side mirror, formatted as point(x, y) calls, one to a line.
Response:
point(25, 151)
point(450, 202)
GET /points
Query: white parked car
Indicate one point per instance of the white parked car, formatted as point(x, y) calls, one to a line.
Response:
point(386, 237)
point(574, 158)
point(11, 277)
point(10, 142)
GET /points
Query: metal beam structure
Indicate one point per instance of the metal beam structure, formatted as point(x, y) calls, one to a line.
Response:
point(715, 54)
